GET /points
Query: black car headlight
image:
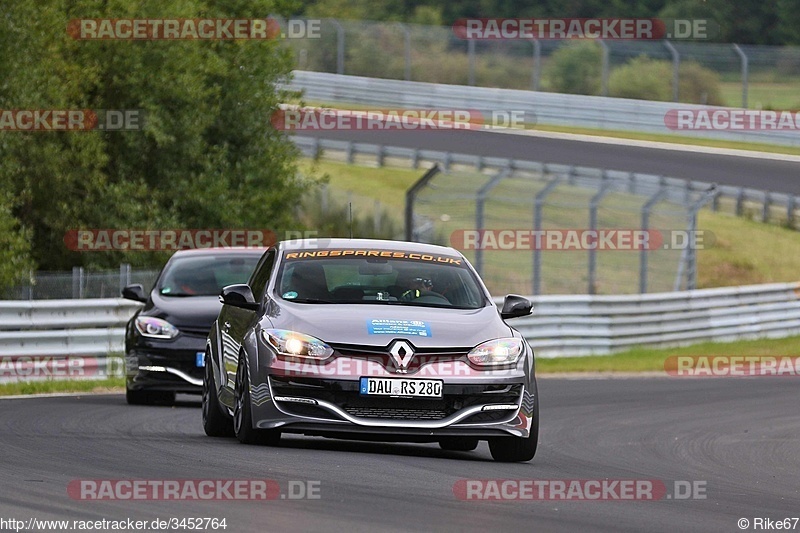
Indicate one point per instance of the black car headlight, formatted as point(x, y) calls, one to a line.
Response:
point(155, 328)
point(296, 344)
point(504, 351)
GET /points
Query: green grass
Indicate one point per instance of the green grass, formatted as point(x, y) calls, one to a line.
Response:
point(53, 386)
point(638, 136)
point(652, 359)
point(763, 95)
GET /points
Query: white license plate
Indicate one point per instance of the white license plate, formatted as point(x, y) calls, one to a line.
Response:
point(418, 388)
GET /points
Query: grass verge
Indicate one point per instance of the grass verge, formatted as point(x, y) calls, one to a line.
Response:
point(55, 386)
point(652, 359)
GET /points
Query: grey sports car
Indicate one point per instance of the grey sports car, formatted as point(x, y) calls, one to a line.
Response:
point(370, 340)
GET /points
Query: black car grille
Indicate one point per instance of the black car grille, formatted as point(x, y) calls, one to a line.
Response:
point(345, 395)
point(397, 414)
point(195, 331)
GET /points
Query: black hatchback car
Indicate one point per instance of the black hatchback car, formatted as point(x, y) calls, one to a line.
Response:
point(369, 339)
point(165, 340)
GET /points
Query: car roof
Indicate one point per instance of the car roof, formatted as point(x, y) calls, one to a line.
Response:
point(323, 243)
point(242, 250)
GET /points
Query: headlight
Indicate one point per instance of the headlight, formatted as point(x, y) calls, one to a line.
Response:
point(497, 352)
point(296, 344)
point(155, 328)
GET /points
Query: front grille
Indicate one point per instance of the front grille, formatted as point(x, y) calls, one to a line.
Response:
point(195, 331)
point(397, 413)
point(345, 395)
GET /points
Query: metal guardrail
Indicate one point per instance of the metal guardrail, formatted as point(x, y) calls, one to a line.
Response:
point(592, 325)
point(767, 205)
point(38, 333)
point(596, 112)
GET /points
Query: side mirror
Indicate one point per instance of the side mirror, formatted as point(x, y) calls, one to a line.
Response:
point(515, 306)
point(134, 292)
point(239, 295)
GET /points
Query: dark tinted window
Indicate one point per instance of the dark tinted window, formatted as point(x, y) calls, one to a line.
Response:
point(390, 281)
point(261, 276)
point(205, 275)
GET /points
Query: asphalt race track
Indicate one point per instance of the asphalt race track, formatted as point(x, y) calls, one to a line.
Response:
point(740, 436)
point(762, 174)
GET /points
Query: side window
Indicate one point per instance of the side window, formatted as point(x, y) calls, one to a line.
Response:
point(261, 275)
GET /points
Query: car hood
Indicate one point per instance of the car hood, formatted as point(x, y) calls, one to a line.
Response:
point(351, 324)
point(192, 311)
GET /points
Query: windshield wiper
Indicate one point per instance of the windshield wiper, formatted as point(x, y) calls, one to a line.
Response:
point(311, 301)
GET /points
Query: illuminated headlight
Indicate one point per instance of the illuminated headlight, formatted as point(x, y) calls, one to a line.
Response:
point(155, 328)
point(497, 352)
point(296, 344)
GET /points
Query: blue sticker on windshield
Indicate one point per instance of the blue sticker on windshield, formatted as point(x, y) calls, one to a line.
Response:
point(388, 326)
point(291, 295)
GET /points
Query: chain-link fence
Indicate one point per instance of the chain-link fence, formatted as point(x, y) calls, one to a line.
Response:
point(753, 76)
point(79, 283)
point(494, 218)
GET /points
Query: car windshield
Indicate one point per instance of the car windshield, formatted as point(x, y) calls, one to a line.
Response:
point(402, 279)
point(205, 275)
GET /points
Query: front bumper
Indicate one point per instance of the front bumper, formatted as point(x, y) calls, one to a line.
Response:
point(174, 365)
point(334, 407)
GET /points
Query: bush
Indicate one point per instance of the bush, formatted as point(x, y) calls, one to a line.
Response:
point(575, 68)
point(643, 78)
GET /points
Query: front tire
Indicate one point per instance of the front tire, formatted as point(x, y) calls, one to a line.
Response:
point(517, 449)
point(215, 423)
point(242, 411)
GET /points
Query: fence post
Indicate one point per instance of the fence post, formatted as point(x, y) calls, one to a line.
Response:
point(691, 250)
point(377, 218)
point(604, 68)
point(605, 188)
point(648, 206)
point(480, 201)
point(124, 276)
point(411, 196)
point(765, 208)
point(406, 50)
point(676, 63)
point(77, 282)
point(745, 72)
point(537, 64)
point(471, 53)
point(538, 203)
point(339, 47)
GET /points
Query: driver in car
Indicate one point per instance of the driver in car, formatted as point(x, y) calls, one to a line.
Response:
point(416, 286)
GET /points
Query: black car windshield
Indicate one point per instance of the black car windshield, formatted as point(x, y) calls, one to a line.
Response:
point(205, 275)
point(402, 278)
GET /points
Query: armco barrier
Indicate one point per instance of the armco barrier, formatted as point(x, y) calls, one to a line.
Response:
point(585, 325)
point(560, 326)
point(59, 339)
point(596, 112)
